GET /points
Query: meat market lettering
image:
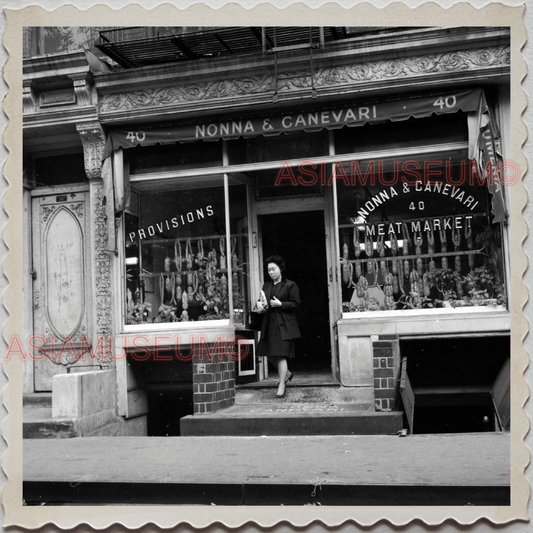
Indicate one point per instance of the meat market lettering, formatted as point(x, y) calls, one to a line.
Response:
point(445, 189)
point(172, 223)
point(292, 122)
point(416, 226)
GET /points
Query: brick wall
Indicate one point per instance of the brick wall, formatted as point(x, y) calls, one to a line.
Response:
point(386, 353)
point(213, 383)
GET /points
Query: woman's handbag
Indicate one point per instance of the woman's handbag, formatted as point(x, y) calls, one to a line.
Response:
point(255, 321)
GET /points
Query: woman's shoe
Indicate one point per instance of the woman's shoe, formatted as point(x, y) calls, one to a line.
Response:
point(282, 394)
point(289, 378)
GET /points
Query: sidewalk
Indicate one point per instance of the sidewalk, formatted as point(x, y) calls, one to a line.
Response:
point(332, 470)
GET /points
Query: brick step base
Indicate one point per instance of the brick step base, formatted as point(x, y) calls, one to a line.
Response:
point(293, 419)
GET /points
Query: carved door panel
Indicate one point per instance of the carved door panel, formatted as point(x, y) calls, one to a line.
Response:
point(60, 286)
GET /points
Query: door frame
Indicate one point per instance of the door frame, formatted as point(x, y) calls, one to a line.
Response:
point(303, 204)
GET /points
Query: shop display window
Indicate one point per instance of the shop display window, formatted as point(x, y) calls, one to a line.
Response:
point(177, 254)
point(409, 242)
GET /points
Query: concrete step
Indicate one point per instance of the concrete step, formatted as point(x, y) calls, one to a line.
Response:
point(297, 394)
point(291, 418)
point(40, 399)
point(37, 423)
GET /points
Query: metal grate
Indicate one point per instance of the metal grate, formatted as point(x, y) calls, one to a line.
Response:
point(135, 47)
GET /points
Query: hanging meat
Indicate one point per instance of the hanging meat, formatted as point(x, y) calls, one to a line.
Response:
point(369, 246)
point(456, 238)
point(443, 248)
point(234, 256)
point(419, 240)
point(222, 247)
point(200, 254)
point(358, 270)
point(393, 243)
point(162, 287)
point(178, 259)
point(189, 258)
point(347, 267)
point(380, 246)
point(173, 289)
point(406, 239)
point(356, 243)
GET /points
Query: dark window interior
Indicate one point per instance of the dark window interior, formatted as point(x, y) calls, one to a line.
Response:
point(450, 128)
point(60, 170)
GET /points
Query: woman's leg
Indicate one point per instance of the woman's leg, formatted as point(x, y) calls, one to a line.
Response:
point(282, 373)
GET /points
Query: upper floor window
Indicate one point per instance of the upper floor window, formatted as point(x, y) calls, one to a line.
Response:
point(56, 39)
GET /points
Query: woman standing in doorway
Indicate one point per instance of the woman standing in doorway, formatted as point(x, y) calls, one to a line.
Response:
point(279, 327)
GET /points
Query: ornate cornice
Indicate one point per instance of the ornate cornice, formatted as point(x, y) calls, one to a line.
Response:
point(324, 78)
point(93, 140)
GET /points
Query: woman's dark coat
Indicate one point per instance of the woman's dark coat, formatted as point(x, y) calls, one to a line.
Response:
point(289, 296)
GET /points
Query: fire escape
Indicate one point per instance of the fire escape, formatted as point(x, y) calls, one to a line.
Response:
point(140, 47)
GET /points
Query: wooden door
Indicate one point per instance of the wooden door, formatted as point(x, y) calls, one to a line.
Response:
point(60, 270)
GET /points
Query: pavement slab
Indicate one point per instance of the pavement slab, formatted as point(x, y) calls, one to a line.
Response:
point(416, 460)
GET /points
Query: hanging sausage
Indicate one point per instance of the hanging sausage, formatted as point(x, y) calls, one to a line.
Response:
point(356, 243)
point(189, 258)
point(443, 248)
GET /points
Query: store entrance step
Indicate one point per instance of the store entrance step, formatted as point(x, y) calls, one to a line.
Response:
point(291, 418)
point(297, 394)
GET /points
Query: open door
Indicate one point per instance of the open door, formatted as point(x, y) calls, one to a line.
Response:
point(407, 394)
point(501, 396)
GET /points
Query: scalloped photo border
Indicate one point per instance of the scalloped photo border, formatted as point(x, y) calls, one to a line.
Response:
point(395, 14)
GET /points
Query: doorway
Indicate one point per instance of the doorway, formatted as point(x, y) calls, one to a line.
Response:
point(300, 239)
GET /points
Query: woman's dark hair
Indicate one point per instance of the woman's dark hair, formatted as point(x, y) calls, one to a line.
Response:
point(278, 260)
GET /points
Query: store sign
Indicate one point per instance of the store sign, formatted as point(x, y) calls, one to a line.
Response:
point(416, 226)
point(310, 121)
point(172, 223)
point(444, 189)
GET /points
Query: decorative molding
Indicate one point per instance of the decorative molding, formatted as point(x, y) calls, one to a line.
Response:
point(29, 99)
point(93, 141)
point(416, 66)
point(103, 285)
point(57, 97)
point(345, 75)
point(82, 88)
point(47, 210)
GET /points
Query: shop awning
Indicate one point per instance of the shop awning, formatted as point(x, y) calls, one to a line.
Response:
point(308, 121)
point(482, 137)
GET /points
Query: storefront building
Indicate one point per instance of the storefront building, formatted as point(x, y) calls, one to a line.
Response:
point(165, 164)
